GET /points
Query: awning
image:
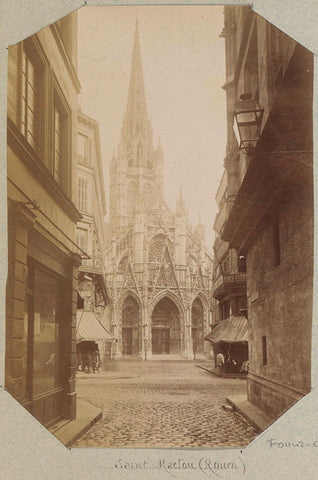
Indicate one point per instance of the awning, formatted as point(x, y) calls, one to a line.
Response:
point(89, 328)
point(231, 330)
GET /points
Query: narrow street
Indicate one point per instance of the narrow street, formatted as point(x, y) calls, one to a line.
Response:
point(162, 403)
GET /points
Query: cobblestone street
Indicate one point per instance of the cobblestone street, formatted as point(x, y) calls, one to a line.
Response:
point(162, 404)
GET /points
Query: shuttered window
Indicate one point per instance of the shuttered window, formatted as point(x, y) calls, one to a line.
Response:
point(83, 194)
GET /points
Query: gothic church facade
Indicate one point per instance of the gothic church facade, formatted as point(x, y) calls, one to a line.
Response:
point(158, 269)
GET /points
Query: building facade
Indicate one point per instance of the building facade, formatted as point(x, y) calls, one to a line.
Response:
point(41, 297)
point(90, 236)
point(158, 269)
point(270, 208)
point(229, 292)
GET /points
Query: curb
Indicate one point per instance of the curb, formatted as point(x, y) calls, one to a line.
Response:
point(69, 432)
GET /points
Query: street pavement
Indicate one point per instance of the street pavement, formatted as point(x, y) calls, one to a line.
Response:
point(162, 404)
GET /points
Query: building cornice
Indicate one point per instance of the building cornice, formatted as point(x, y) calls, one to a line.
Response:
point(66, 58)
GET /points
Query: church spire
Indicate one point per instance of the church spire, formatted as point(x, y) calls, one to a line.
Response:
point(136, 105)
point(136, 133)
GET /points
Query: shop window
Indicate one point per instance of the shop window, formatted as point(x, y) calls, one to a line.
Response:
point(276, 244)
point(82, 194)
point(42, 334)
point(264, 350)
point(47, 315)
point(83, 149)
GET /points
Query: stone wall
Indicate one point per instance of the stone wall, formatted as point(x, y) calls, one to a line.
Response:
point(280, 306)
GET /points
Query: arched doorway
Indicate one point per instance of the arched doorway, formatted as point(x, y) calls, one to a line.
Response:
point(197, 323)
point(130, 327)
point(165, 328)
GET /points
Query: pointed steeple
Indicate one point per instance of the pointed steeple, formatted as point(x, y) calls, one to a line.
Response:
point(138, 166)
point(136, 105)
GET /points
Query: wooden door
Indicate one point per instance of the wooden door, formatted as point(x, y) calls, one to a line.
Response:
point(160, 341)
point(127, 341)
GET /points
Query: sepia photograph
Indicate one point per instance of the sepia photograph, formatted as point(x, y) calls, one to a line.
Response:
point(160, 226)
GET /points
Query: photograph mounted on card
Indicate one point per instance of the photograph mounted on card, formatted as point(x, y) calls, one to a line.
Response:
point(160, 226)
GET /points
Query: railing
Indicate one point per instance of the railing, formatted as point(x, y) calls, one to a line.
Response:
point(228, 279)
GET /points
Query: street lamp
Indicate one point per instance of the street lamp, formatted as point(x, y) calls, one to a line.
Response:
point(247, 123)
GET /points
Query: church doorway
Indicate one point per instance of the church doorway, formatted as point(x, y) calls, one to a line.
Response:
point(131, 328)
point(165, 328)
point(197, 321)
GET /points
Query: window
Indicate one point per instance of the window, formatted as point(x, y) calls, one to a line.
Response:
point(29, 100)
point(47, 314)
point(276, 244)
point(83, 149)
point(43, 312)
point(83, 194)
point(241, 264)
point(61, 155)
point(264, 350)
point(57, 162)
point(82, 239)
point(225, 266)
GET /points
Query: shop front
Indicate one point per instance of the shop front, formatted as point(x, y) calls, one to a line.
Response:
point(93, 343)
point(229, 339)
point(40, 369)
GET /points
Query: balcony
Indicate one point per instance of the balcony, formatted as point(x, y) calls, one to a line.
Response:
point(92, 265)
point(227, 283)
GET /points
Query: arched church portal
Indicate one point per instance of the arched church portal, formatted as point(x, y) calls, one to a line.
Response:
point(197, 321)
point(131, 327)
point(165, 328)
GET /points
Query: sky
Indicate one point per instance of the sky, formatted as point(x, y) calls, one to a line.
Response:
point(184, 70)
